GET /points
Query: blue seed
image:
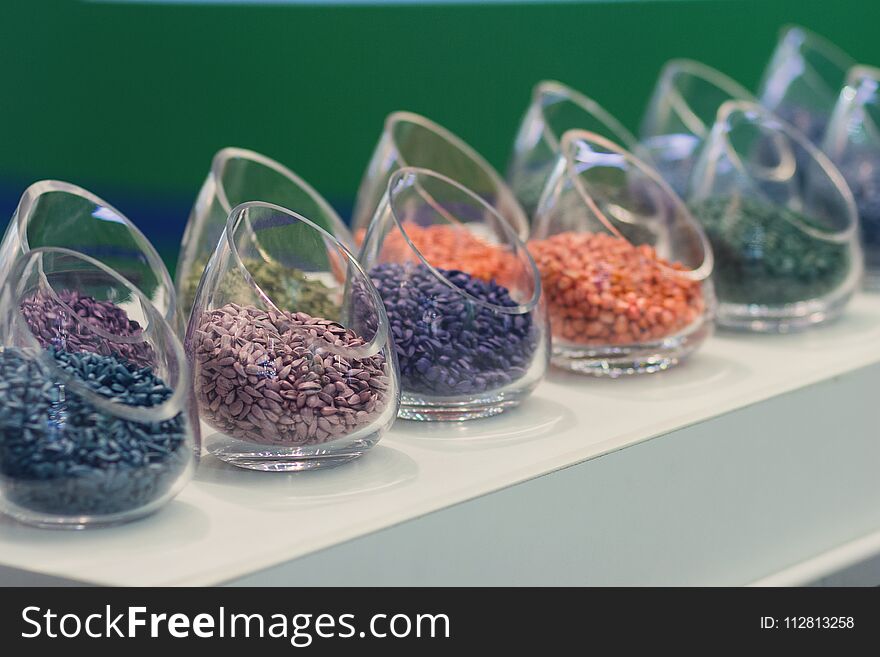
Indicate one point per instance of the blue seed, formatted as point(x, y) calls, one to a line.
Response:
point(445, 345)
point(58, 459)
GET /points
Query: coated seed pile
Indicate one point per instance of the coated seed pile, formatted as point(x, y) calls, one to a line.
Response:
point(272, 378)
point(453, 247)
point(67, 323)
point(445, 344)
point(602, 290)
point(762, 257)
point(59, 454)
point(286, 286)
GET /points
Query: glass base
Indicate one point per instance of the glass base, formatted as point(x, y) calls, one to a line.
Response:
point(48, 521)
point(422, 409)
point(278, 458)
point(785, 319)
point(617, 361)
point(45, 519)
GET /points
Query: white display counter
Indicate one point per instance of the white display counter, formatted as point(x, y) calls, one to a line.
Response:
point(756, 462)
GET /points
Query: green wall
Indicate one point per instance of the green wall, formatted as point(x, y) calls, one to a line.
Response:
point(132, 100)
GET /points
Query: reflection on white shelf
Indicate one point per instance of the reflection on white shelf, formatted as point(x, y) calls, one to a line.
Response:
point(228, 524)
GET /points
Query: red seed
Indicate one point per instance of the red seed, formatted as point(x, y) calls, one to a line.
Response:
point(628, 292)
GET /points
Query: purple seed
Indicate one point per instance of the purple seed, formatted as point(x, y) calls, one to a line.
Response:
point(64, 322)
point(283, 385)
point(271, 394)
point(446, 346)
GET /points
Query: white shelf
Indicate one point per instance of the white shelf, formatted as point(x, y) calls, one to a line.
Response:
point(760, 453)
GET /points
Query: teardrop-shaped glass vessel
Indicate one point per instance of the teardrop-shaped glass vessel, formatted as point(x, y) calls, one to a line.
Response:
point(295, 378)
point(803, 79)
point(236, 176)
point(781, 220)
point(625, 267)
point(680, 114)
point(58, 214)
point(463, 298)
point(554, 109)
point(409, 139)
point(852, 141)
point(98, 423)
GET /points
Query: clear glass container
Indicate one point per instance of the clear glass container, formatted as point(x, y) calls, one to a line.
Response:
point(236, 176)
point(781, 220)
point(97, 420)
point(58, 214)
point(803, 80)
point(680, 114)
point(294, 378)
point(554, 109)
point(625, 267)
point(463, 298)
point(852, 141)
point(412, 140)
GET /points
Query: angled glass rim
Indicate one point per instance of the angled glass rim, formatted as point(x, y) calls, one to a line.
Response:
point(239, 213)
point(180, 389)
point(860, 90)
point(546, 88)
point(511, 235)
point(696, 69)
point(404, 116)
point(769, 120)
point(228, 153)
point(797, 35)
point(861, 72)
point(571, 137)
point(792, 38)
point(37, 189)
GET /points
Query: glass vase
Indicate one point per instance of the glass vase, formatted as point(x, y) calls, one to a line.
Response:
point(58, 214)
point(680, 114)
point(412, 140)
point(781, 220)
point(803, 80)
point(554, 109)
point(625, 267)
point(852, 141)
point(289, 377)
point(463, 298)
point(236, 176)
point(98, 424)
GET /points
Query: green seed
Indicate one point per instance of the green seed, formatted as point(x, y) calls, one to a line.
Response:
point(763, 257)
point(290, 288)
